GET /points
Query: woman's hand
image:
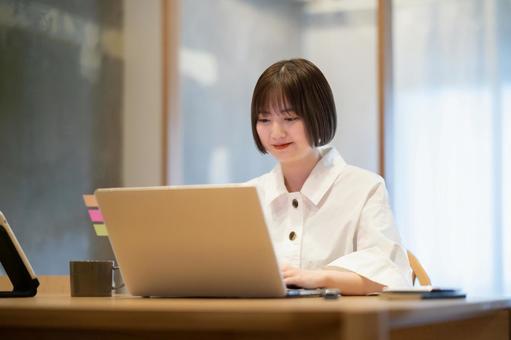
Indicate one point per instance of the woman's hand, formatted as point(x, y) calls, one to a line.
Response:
point(348, 282)
point(303, 278)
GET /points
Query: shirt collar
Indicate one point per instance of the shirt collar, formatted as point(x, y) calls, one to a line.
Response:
point(276, 186)
point(323, 175)
point(319, 181)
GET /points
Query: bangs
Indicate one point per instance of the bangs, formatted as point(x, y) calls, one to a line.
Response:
point(278, 94)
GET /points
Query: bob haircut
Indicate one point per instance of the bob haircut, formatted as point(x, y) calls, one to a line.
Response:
point(301, 85)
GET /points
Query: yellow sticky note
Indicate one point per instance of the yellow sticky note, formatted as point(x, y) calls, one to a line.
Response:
point(90, 201)
point(100, 230)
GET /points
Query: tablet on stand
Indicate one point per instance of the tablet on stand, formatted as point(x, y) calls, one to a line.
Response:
point(15, 263)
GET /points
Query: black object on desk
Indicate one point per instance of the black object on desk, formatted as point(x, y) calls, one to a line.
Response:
point(15, 263)
point(429, 294)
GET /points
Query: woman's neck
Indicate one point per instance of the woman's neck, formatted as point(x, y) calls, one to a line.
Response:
point(296, 173)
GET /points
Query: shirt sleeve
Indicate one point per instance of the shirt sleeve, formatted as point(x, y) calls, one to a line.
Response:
point(379, 255)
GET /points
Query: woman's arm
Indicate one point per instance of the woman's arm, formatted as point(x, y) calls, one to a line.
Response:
point(348, 283)
point(378, 255)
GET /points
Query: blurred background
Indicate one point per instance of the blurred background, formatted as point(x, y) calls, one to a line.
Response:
point(105, 93)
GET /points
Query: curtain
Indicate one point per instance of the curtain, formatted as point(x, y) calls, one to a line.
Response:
point(450, 140)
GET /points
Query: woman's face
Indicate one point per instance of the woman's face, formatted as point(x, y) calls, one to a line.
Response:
point(282, 133)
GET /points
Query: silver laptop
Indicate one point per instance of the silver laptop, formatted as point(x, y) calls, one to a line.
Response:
point(191, 241)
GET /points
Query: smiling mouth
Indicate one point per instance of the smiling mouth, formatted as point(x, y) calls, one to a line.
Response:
point(281, 146)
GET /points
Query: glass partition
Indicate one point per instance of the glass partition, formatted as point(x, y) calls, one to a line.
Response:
point(226, 45)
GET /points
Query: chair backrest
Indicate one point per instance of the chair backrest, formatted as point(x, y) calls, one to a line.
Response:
point(419, 272)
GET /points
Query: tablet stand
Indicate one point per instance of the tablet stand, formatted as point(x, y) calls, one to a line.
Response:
point(22, 282)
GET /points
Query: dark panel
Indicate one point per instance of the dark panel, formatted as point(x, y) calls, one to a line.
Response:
point(60, 124)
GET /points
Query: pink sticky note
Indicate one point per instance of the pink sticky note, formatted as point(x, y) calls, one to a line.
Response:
point(95, 215)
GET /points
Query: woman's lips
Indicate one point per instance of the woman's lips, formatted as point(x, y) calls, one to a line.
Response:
point(281, 146)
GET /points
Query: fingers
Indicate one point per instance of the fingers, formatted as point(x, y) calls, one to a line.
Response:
point(292, 281)
point(292, 276)
point(302, 278)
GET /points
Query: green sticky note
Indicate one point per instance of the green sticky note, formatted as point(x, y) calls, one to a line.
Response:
point(100, 230)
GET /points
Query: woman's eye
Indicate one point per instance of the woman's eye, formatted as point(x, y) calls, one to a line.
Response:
point(263, 120)
point(291, 119)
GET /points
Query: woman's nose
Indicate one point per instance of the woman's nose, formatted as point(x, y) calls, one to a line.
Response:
point(277, 130)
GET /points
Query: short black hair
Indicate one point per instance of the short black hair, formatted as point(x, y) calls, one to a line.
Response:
point(301, 84)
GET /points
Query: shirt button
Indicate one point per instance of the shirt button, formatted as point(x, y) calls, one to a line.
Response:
point(295, 203)
point(292, 236)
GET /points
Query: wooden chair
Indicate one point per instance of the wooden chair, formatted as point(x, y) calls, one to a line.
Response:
point(419, 272)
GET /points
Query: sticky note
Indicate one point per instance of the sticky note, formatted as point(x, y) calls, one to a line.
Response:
point(100, 230)
point(95, 215)
point(90, 201)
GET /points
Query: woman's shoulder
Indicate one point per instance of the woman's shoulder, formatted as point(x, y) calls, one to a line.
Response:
point(335, 163)
point(357, 172)
point(358, 184)
point(360, 177)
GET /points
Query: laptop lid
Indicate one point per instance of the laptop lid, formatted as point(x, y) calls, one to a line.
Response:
point(191, 241)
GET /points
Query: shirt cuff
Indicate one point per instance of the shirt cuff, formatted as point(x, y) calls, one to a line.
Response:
point(372, 264)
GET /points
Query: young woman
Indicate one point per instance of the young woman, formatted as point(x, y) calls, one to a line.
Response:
point(330, 222)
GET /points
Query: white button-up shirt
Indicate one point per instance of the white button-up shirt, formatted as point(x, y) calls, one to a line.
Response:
point(341, 219)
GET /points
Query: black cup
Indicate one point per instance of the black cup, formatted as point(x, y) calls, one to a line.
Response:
point(91, 278)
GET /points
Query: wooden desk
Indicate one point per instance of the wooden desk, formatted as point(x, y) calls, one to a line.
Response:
point(54, 316)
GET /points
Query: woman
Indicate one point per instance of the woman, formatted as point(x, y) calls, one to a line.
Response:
point(330, 222)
